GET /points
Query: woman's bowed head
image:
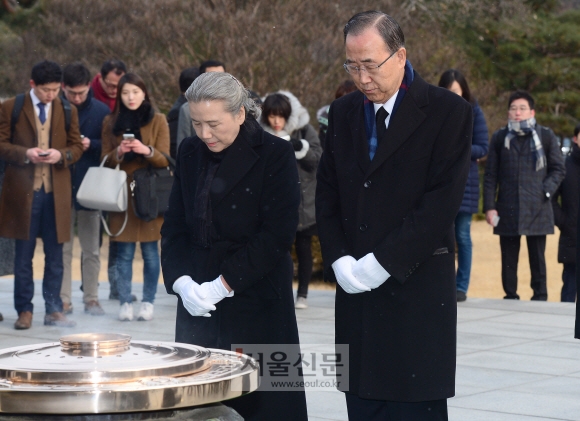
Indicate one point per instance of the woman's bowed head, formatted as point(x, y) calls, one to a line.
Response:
point(219, 105)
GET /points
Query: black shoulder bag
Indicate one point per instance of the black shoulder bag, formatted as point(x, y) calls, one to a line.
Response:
point(150, 189)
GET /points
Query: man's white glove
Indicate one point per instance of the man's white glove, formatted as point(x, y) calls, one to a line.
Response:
point(193, 301)
point(343, 271)
point(214, 291)
point(369, 271)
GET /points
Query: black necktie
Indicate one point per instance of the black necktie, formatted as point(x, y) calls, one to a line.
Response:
point(381, 116)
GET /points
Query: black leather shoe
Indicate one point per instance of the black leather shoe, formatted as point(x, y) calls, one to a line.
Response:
point(461, 296)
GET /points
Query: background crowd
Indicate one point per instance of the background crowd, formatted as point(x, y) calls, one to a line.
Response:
point(525, 188)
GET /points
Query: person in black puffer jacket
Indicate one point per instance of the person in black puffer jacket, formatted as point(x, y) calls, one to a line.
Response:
point(285, 117)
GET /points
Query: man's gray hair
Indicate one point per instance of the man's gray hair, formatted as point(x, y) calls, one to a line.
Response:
point(387, 27)
point(220, 86)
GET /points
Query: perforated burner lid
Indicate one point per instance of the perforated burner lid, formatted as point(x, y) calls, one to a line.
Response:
point(100, 358)
point(105, 373)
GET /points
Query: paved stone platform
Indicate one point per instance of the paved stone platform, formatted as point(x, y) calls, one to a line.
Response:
point(517, 360)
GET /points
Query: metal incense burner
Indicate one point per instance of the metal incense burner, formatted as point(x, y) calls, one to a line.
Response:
point(96, 373)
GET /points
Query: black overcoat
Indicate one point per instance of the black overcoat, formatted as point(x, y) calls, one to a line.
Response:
point(514, 188)
point(254, 201)
point(566, 209)
point(400, 206)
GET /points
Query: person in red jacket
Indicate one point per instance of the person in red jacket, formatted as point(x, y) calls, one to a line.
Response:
point(104, 84)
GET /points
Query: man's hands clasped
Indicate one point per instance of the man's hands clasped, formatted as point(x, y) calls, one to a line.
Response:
point(356, 276)
point(198, 299)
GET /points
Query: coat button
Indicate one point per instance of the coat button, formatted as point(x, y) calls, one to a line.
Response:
point(367, 184)
point(363, 227)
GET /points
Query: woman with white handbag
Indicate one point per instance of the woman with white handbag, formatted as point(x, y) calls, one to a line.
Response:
point(135, 136)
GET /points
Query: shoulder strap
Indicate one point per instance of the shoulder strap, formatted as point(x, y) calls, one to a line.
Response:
point(67, 113)
point(18, 104)
point(169, 159)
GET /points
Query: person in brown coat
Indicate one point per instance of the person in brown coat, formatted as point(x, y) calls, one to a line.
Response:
point(36, 196)
point(135, 136)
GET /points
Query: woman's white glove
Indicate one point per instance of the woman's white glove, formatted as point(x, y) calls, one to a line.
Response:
point(369, 271)
point(344, 276)
point(191, 295)
point(214, 291)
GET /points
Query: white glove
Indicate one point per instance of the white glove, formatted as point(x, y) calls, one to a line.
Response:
point(215, 291)
point(343, 271)
point(369, 271)
point(189, 291)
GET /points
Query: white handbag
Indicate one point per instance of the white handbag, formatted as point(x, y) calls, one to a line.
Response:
point(105, 189)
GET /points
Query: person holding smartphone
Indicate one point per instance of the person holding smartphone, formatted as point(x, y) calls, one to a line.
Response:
point(135, 136)
point(36, 193)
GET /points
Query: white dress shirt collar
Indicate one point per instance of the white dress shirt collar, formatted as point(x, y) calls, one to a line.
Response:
point(35, 102)
point(387, 106)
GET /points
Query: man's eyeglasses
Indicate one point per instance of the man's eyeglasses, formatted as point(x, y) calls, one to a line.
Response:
point(351, 69)
point(110, 85)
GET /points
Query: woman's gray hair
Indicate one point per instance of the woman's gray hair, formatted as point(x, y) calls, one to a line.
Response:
point(220, 86)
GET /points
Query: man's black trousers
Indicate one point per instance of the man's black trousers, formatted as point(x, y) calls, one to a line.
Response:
point(510, 250)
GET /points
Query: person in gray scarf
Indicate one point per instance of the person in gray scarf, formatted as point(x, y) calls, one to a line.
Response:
point(524, 168)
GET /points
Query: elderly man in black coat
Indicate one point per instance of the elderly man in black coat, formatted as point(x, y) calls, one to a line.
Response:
point(524, 168)
point(390, 183)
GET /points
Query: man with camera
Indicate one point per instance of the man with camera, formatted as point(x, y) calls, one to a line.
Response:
point(39, 140)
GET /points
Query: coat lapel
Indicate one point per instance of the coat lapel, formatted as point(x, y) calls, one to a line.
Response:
point(146, 134)
point(356, 118)
point(408, 117)
point(28, 111)
point(57, 121)
point(239, 159)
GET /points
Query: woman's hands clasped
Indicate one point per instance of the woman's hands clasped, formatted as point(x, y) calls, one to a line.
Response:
point(198, 299)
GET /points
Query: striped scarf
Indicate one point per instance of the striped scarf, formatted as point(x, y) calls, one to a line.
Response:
point(523, 128)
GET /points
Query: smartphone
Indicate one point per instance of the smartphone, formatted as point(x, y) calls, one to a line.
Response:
point(128, 136)
point(495, 220)
point(44, 153)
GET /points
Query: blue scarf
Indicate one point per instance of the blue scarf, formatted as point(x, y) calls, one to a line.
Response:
point(370, 120)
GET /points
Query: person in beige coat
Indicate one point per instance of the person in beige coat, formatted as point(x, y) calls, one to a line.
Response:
point(36, 195)
point(135, 136)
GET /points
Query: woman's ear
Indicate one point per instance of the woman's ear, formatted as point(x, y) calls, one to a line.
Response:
point(241, 117)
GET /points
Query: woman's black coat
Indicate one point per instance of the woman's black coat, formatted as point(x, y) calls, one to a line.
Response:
point(254, 201)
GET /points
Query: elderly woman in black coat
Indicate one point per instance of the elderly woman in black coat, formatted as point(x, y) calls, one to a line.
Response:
point(227, 235)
